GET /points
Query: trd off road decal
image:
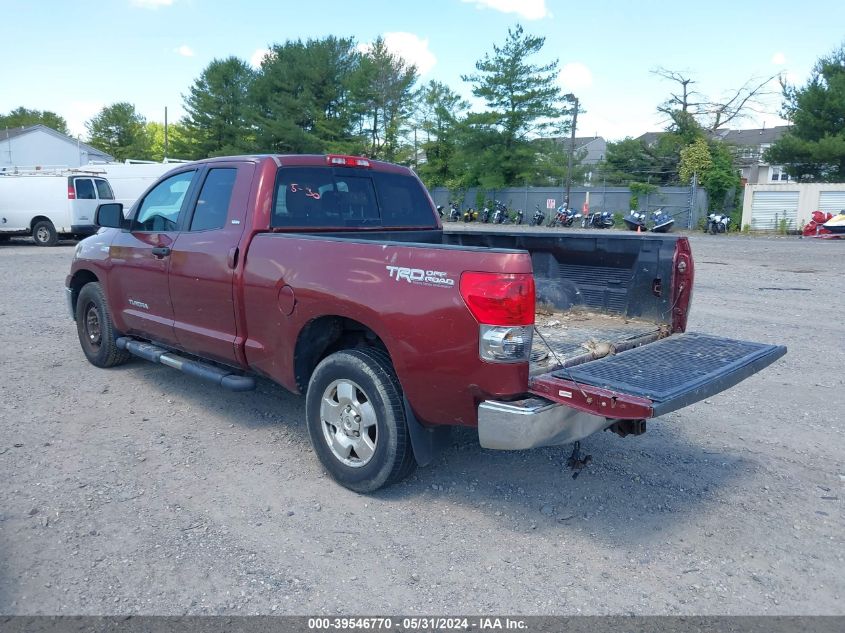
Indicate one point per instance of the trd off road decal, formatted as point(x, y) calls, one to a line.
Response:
point(420, 277)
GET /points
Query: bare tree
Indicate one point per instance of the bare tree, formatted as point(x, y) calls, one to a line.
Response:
point(734, 105)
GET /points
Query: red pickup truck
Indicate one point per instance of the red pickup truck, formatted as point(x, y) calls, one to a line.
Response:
point(332, 276)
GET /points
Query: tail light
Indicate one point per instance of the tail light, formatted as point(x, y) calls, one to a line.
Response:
point(71, 192)
point(503, 305)
point(683, 274)
point(347, 161)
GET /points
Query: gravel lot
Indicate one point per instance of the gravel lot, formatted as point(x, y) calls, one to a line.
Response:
point(140, 490)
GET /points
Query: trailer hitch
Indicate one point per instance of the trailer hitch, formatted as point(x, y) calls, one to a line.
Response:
point(576, 462)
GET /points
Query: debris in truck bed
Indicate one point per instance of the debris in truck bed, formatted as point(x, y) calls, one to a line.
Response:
point(578, 335)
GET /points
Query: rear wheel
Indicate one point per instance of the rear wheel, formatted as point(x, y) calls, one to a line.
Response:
point(356, 420)
point(95, 328)
point(44, 233)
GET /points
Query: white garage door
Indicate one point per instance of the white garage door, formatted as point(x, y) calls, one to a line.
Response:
point(769, 208)
point(832, 201)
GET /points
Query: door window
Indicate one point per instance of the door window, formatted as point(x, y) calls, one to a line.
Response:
point(104, 191)
point(160, 209)
point(85, 189)
point(213, 202)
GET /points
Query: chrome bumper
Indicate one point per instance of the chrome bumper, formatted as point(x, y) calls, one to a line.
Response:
point(533, 422)
point(69, 298)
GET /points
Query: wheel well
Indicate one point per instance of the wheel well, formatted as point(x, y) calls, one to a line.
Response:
point(37, 219)
point(324, 336)
point(80, 278)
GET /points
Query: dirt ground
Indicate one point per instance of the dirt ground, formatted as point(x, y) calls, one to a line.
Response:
point(141, 490)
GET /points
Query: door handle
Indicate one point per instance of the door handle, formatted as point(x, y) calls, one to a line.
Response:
point(161, 251)
point(232, 259)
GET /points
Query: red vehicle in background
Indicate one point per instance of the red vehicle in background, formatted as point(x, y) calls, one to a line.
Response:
point(331, 276)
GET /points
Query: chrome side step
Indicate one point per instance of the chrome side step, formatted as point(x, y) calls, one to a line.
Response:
point(217, 375)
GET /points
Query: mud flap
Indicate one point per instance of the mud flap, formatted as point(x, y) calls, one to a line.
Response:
point(426, 441)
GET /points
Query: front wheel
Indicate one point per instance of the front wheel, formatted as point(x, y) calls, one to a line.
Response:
point(44, 233)
point(95, 328)
point(356, 420)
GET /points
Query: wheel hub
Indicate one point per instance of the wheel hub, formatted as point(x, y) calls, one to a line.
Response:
point(92, 326)
point(351, 421)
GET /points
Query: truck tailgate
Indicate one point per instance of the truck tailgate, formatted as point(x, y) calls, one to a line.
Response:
point(656, 378)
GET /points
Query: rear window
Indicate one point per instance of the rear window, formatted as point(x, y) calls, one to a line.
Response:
point(84, 189)
point(104, 191)
point(339, 197)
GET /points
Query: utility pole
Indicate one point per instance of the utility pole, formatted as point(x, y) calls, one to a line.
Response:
point(571, 152)
point(165, 133)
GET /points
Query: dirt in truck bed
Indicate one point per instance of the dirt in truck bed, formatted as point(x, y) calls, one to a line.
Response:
point(570, 337)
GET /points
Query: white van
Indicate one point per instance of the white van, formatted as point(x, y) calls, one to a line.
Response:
point(49, 205)
point(130, 179)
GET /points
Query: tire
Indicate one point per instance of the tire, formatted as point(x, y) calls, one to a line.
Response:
point(356, 420)
point(713, 228)
point(44, 233)
point(95, 328)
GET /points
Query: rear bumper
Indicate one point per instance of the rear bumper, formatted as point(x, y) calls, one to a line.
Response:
point(533, 422)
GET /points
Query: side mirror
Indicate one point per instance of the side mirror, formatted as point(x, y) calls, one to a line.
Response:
point(109, 215)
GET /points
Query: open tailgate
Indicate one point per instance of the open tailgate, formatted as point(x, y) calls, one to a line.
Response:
point(656, 378)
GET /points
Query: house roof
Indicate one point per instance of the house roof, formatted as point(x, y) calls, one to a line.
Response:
point(579, 142)
point(752, 137)
point(20, 131)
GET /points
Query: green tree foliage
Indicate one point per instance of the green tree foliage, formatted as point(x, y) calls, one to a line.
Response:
point(721, 179)
point(523, 101)
point(119, 130)
point(440, 113)
point(216, 109)
point(301, 97)
point(695, 158)
point(24, 117)
point(179, 145)
point(383, 94)
point(813, 149)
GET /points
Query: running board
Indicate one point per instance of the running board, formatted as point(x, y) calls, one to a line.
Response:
point(198, 369)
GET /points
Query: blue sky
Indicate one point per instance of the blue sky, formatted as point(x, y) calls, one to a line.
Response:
point(75, 57)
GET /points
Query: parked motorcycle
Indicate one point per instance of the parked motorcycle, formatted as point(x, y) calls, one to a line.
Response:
point(470, 215)
point(440, 210)
point(500, 215)
point(564, 217)
point(718, 223)
point(485, 214)
point(598, 220)
point(663, 222)
point(454, 212)
point(518, 216)
point(635, 221)
point(539, 216)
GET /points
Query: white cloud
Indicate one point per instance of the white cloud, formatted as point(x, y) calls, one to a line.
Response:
point(259, 56)
point(151, 4)
point(184, 51)
point(528, 9)
point(575, 76)
point(76, 113)
point(412, 48)
point(409, 46)
point(778, 59)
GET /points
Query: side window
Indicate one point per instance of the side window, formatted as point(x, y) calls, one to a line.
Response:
point(160, 209)
point(104, 191)
point(84, 189)
point(213, 202)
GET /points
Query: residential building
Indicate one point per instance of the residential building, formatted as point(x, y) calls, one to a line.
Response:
point(41, 146)
point(749, 147)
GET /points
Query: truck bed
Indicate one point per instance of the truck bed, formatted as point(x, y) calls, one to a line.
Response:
point(569, 338)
